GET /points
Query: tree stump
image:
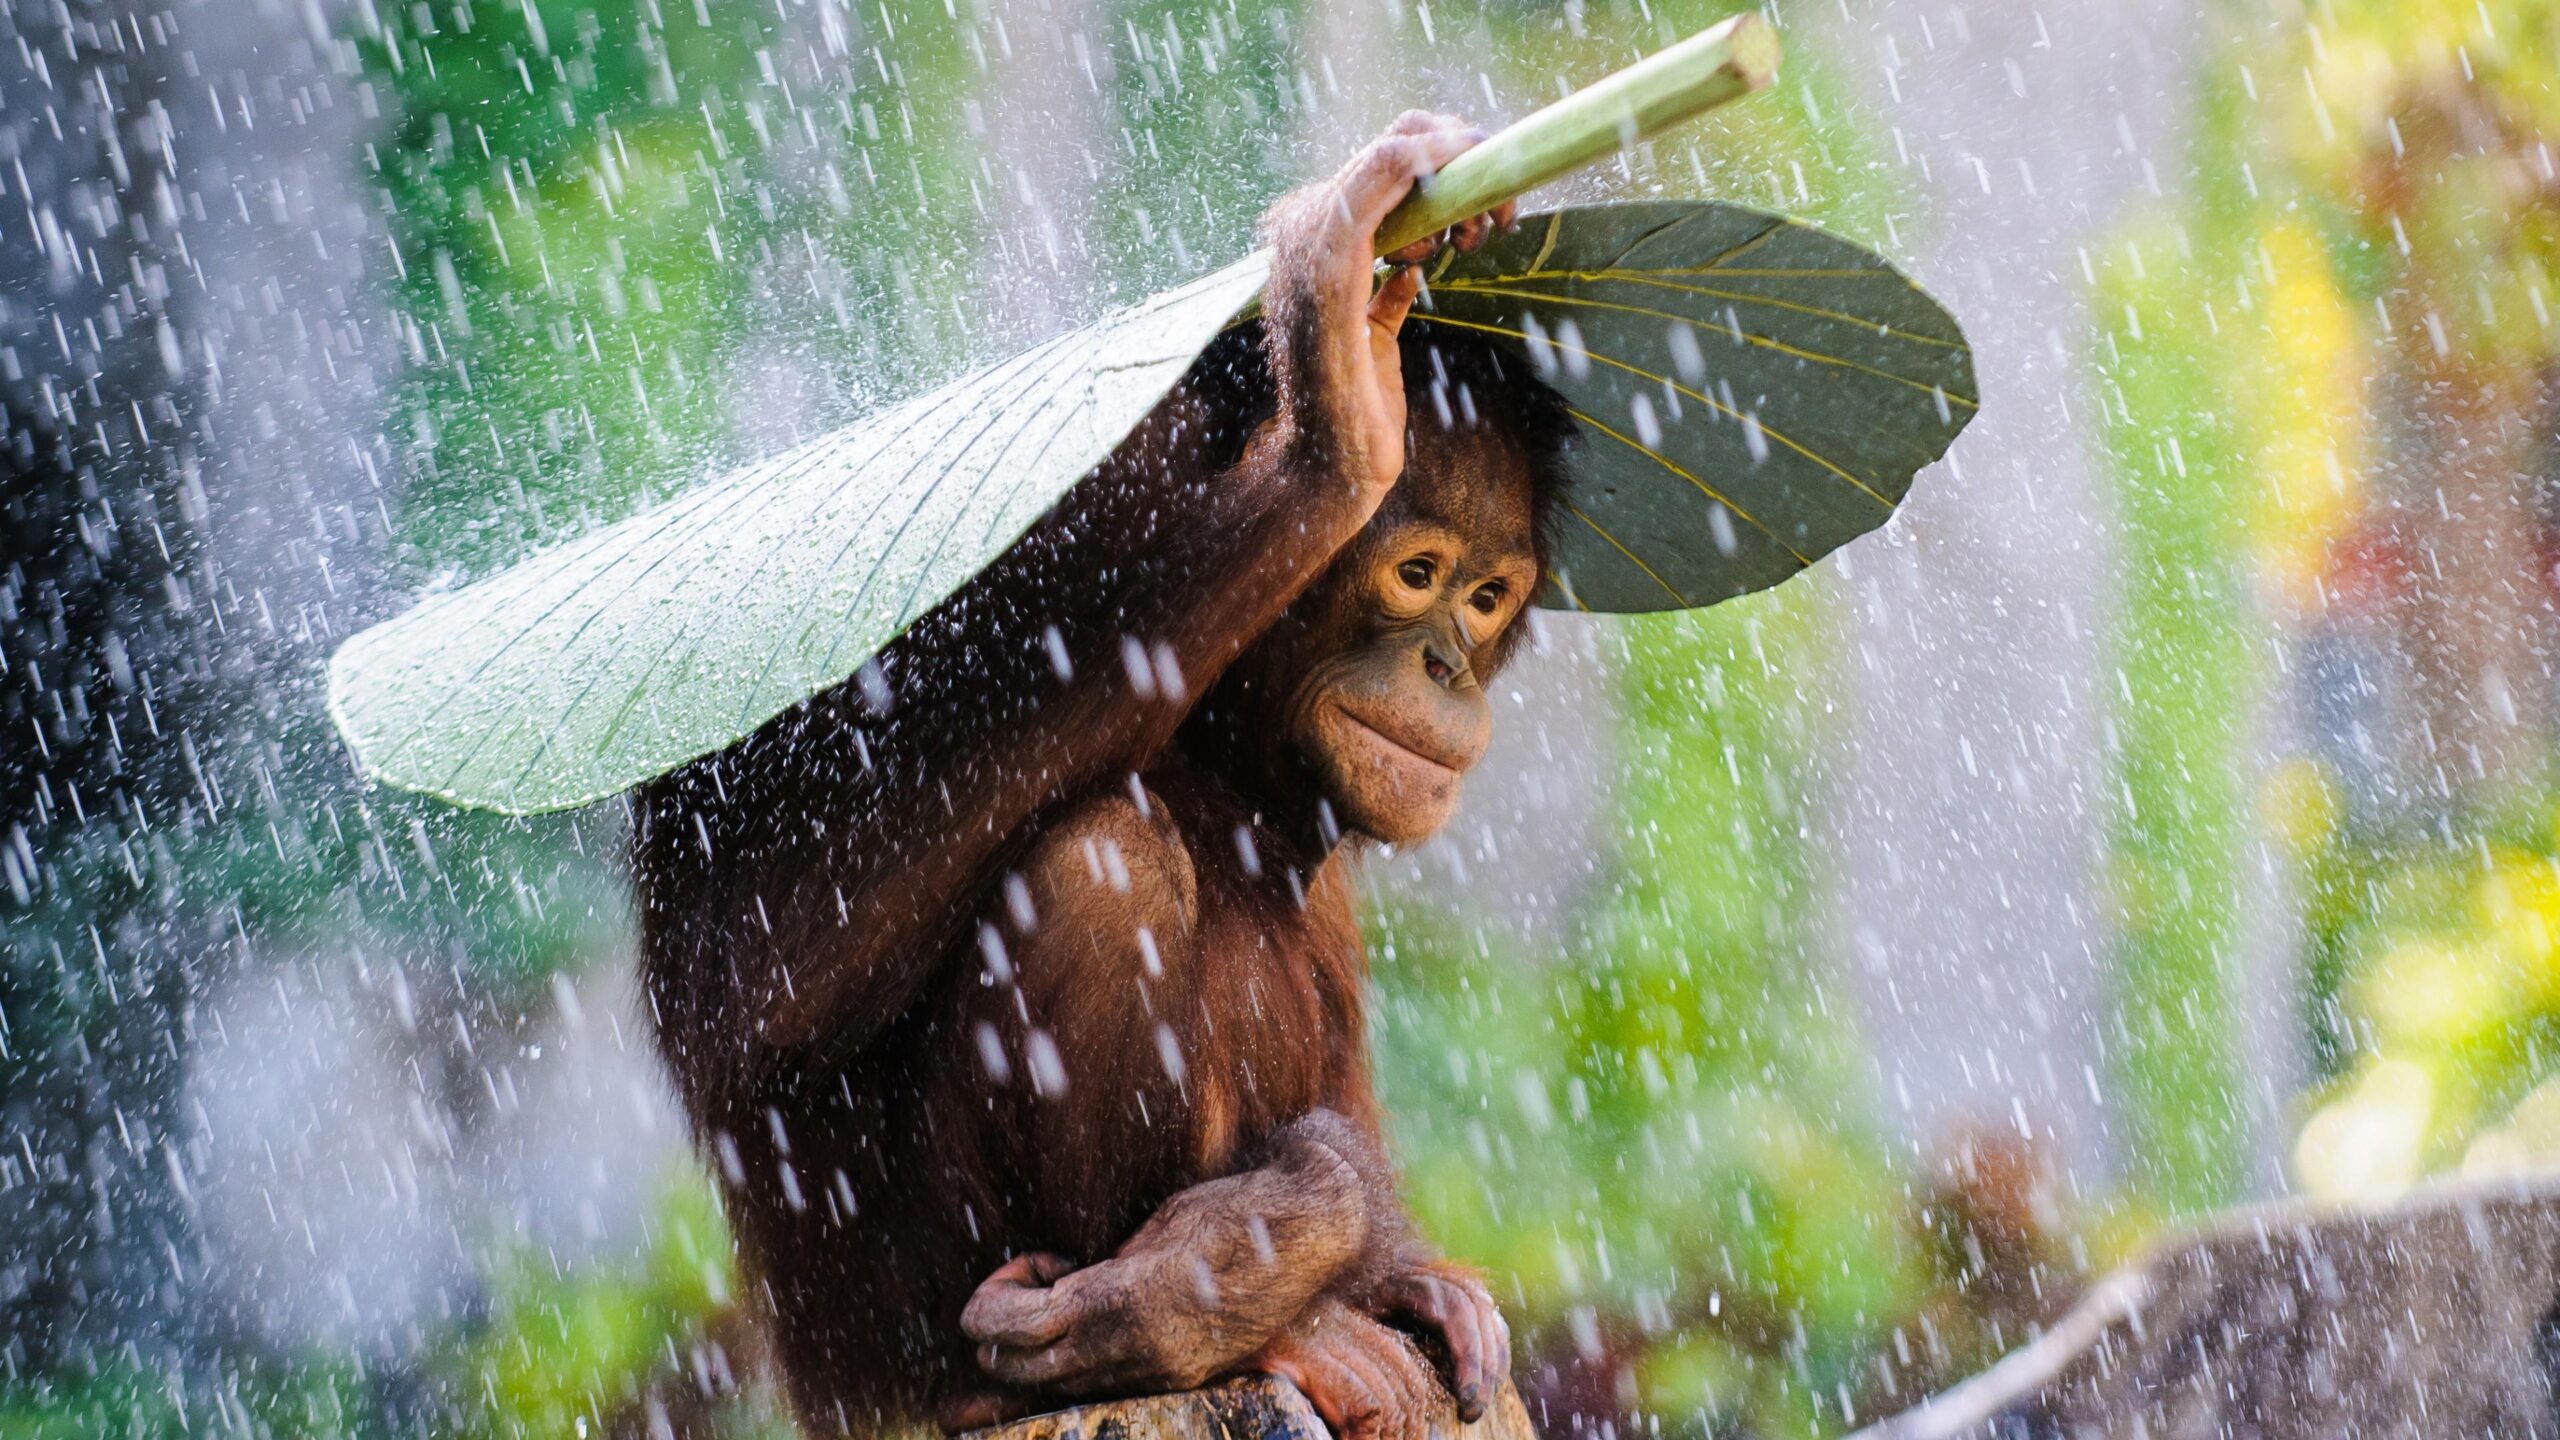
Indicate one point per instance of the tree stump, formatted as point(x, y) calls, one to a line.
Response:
point(1249, 1409)
point(2435, 1315)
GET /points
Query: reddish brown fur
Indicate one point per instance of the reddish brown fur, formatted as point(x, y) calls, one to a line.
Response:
point(894, 948)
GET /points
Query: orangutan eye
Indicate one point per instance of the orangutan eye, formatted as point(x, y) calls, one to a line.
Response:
point(1415, 573)
point(1488, 597)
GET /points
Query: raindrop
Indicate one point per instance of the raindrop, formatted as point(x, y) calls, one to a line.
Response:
point(1686, 358)
point(1542, 350)
point(1133, 658)
point(991, 1054)
point(874, 684)
point(1576, 355)
point(1048, 1067)
point(1648, 428)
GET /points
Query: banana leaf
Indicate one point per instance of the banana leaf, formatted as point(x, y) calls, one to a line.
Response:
point(1751, 392)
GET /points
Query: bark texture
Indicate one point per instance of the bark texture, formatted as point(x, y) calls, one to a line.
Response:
point(2434, 1316)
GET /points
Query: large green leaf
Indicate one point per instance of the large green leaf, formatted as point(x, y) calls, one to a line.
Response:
point(1753, 393)
point(593, 667)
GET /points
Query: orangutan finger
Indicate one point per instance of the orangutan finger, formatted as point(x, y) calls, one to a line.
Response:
point(960, 1413)
point(1020, 1304)
point(1394, 300)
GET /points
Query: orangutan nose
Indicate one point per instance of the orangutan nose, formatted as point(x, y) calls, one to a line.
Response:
point(1443, 661)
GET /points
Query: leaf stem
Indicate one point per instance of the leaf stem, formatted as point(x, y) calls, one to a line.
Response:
point(1723, 62)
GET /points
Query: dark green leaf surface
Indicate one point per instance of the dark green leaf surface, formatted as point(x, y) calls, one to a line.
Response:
point(1752, 394)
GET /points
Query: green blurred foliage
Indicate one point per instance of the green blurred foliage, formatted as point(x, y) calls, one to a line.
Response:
point(608, 1348)
point(2349, 291)
point(629, 1346)
point(595, 207)
point(2445, 1002)
point(2187, 678)
point(307, 1397)
point(307, 867)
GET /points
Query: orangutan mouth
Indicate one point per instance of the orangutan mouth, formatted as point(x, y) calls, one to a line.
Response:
point(1397, 749)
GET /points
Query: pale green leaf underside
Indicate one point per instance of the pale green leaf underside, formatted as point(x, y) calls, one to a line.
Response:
point(596, 666)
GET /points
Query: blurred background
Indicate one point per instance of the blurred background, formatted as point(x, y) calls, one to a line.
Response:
point(1815, 993)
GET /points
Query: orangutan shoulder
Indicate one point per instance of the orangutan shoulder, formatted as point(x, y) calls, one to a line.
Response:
point(1114, 865)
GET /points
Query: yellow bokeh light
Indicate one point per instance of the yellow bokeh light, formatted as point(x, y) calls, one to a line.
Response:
point(2370, 1143)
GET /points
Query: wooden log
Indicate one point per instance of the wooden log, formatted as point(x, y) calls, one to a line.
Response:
point(2438, 1314)
point(1248, 1409)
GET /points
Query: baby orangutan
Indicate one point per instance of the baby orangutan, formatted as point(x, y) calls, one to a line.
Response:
point(1015, 987)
